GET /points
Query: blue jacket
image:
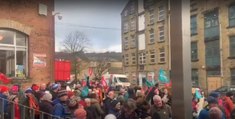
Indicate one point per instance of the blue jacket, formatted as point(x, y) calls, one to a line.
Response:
point(5, 102)
point(204, 114)
point(61, 110)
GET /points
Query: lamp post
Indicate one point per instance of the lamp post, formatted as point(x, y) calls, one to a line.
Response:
point(54, 14)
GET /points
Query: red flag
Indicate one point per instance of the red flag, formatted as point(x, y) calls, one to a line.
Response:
point(4, 79)
point(83, 83)
point(90, 71)
point(103, 82)
point(168, 84)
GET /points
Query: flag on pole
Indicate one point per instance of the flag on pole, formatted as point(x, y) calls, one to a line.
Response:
point(147, 82)
point(162, 76)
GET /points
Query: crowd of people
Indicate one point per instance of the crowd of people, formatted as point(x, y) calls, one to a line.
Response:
point(214, 106)
point(96, 102)
point(86, 102)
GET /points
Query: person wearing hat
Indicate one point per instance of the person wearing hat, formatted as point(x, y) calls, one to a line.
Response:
point(13, 100)
point(80, 113)
point(4, 93)
point(212, 102)
point(228, 104)
point(115, 108)
point(45, 104)
point(54, 90)
point(61, 109)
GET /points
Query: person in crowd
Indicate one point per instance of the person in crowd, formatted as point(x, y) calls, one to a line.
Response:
point(215, 113)
point(61, 108)
point(110, 116)
point(151, 92)
point(131, 92)
point(35, 89)
point(115, 108)
point(233, 114)
point(212, 102)
point(54, 90)
point(128, 110)
point(88, 108)
point(45, 105)
point(73, 104)
point(80, 113)
point(4, 93)
point(96, 109)
point(107, 101)
point(201, 103)
point(143, 108)
point(43, 87)
point(14, 90)
point(228, 104)
point(162, 109)
point(122, 95)
point(13, 102)
point(31, 101)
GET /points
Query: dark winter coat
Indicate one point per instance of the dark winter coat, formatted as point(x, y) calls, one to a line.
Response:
point(47, 107)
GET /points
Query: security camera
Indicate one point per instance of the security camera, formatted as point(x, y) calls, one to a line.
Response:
point(60, 17)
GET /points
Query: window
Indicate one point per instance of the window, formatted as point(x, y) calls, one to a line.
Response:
point(212, 54)
point(125, 43)
point(161, 13)
point(193, 25)
point(126, 59)
point(133, 24)
point(161, 33)
point(162, 55)
point(194, 51)
point(151, 36)
point(232, 46)
point(232, 15)
point(13, 54)
point(151, 16)
point(195, 77)
point(125, 27)
point(211, 26)
point(152, 56)
point(133, 58)
point(232, 76)
point(142, 58)
point(133, 41)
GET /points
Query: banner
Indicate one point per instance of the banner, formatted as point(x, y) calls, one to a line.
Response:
point(39, 60)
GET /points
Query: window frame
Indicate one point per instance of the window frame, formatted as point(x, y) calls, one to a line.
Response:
point(15, 48)
point(152, 59)
point(193, 26)
point(161, 33)
point(142, 58)
point(229, 15)
point(162, 52)
point(161, 13)
point(194, 57)
point(151, 36)
point(232, 46)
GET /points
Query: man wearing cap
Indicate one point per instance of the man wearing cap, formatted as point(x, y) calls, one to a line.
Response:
point(212, 102)
point(61, 109)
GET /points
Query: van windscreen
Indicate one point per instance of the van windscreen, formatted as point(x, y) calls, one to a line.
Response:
point(123, 79)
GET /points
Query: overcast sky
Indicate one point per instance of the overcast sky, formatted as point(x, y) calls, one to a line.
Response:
point(100, 20)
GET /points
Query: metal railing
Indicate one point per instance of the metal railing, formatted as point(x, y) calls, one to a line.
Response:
point(9, 111)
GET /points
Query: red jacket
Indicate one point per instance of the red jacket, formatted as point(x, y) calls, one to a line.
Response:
point(228, 106)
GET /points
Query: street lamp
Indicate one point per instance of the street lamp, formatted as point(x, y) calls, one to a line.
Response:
point(59, 16)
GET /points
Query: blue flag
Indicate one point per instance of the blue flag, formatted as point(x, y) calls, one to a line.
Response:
point(85, 91)
point(162, 76)
point(147, 82)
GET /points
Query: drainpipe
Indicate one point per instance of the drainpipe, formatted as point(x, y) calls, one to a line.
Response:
point(221, 55)
point(169, 38)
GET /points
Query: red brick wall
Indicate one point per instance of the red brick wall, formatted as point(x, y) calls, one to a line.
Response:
point(23, 15)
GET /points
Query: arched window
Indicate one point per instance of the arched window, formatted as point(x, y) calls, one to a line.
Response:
point(13, 53)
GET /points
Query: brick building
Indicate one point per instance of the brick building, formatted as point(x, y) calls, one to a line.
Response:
point(145, 25)
point(27, 39)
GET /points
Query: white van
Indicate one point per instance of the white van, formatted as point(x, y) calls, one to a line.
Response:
point(117, 80)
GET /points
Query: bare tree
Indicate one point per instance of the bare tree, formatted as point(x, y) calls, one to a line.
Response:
point(100, 69)
point(75, 43)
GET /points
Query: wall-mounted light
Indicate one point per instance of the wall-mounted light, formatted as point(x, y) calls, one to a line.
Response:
point(58, 14)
